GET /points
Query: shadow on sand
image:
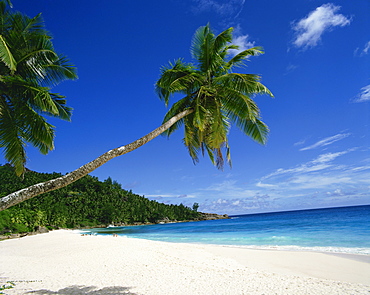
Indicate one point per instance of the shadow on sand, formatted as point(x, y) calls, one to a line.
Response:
point(89, 290)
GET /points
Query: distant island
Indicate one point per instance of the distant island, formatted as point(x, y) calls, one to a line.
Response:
point(86, 203)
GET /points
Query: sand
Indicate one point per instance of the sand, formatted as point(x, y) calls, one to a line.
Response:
point(64, 262)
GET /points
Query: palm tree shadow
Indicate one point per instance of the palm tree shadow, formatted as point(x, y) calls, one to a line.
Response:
point(87, 290)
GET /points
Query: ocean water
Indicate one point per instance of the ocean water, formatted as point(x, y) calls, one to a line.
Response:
point(338, 230)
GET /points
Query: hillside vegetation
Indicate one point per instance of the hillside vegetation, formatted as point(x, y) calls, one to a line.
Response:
point(87, 202)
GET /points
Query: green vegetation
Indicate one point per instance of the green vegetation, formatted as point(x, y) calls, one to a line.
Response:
point(29, 66)
point(8, 285)
point(214, 98)
point(216, 95)
point(87, 202)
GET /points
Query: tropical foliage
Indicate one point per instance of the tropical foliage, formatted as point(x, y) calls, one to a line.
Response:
point(214, 98)
point(86, 202)
point(217, 95)
point(29, 66)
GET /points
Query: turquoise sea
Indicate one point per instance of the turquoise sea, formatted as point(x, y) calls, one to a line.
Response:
point(338, 230)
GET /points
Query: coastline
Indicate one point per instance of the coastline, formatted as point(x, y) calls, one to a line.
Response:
point(65, 262)
point(42, 229)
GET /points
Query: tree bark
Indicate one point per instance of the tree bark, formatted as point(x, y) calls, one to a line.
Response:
point(47, 186)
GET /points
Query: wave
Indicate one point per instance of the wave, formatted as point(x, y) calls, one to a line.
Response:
point(339, 250)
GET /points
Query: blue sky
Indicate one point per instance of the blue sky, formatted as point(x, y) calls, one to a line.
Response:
point(316, 62)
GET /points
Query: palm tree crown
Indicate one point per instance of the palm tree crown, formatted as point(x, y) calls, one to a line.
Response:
point(215, 94)
point(29, 66)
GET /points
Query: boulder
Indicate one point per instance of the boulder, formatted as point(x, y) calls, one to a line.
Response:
point(212, 216)
point(41, 229)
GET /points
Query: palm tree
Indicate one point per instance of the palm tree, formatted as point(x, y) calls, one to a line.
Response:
point(214, 97)
point(29, 65)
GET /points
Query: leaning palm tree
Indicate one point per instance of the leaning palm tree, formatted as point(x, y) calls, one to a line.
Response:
point(29, 65)
point(216, 95)
point(213, 98)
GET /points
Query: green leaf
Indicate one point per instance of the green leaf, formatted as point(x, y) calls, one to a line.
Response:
point(6, 56)
point(215, 94)
point(257, 130)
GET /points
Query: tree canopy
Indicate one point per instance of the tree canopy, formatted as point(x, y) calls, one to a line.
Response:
point(214, 98)
point(216, 95)
point(29, 67)
point(86, 202)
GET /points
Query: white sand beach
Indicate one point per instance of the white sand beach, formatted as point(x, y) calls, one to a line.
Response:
point(64, 262)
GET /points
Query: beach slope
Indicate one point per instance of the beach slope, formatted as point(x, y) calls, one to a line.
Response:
point(64, 262)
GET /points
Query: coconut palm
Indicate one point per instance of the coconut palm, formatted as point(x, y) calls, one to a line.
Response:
point(214, 97)
point(29, 66)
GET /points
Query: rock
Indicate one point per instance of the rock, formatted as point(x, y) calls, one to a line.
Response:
point(164, 220)
point(41, 229)
point(212, 216)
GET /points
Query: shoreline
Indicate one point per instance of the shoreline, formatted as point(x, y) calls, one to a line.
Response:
point(42, 229)
point(64, 261)
point(362, 257)
point(365, 257)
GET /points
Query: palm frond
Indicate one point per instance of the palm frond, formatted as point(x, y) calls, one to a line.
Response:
point(176, 108)
point(215, 94)
point(235, 103)
point(200, 111)
point(64, 65)
point(26, 28)
point(177, 77)
point(191, 139)
point(244, 83)
point(8, 2)
point(210, 153)
point(223, 39)
point(257, 130)
point(6, 56)
point(38, 97)
point(37, 131)
point(10, 141)
point(64, 111)
point(225, 51)
point(197, 42)
point(203, 49)
point(218, 130)
point(58, 71)
point(241, 57)
point(28, 65)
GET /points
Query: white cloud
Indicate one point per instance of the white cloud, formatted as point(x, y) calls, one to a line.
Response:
point(243, 43)
point(314, 181)
point(326, 141)
point(361, 168)
point(367, 48)
point(290, 68)
point(363, 51)
point(265, 185)
point(221, 201)
point(222, 186)
point(321, 163)
point(231, 8)
point(327, 179)
point(240, 205)
point(364, 95)
point(310, 29)
point(185, 197)
point(132, 185)
point(328, 157)
point(301, 142)
point(168, 196)
point(304, 168)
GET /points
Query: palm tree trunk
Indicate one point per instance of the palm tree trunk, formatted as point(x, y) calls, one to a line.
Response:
point(47, 186)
